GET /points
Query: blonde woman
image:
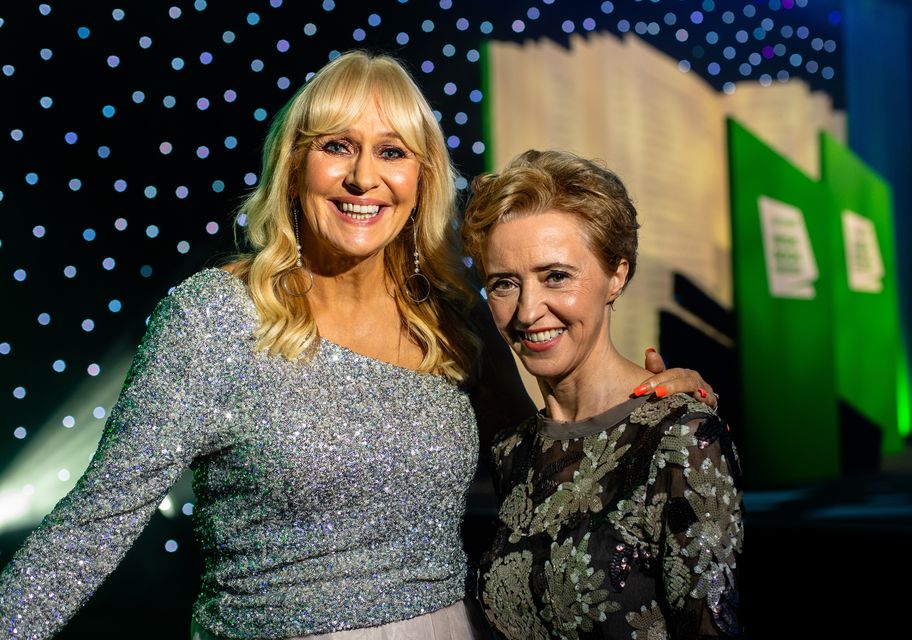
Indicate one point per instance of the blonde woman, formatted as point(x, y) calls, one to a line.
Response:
point(318, 388)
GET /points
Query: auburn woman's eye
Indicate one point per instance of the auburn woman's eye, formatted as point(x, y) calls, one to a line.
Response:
point(557, 277)
point(500, 286)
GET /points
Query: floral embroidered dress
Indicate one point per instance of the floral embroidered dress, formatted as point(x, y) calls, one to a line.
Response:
point(625, 525)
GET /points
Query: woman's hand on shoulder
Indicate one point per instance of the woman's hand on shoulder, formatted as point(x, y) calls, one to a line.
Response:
point(665, 382)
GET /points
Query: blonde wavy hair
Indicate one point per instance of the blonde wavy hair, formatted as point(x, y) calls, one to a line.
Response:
point(328, 104)
point(538, 181)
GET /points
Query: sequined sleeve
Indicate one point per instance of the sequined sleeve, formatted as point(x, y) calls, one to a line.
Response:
point(159, 423)
point(701, 528)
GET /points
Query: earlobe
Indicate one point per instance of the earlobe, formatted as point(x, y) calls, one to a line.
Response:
point(617, 280)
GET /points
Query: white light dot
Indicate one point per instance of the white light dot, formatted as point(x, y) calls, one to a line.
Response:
point(99, 412)
point(88, 325)
point(63, 475)
point(59, 366)
point(38, 231)
point(108, 263)
point(44, 319)
point(69, 271)
point(19, 393)
point(19, 433)
point(212, 228)
point(4, 348)
point(69, 422)
point(120, 224)
point(182, 192)
point(187, 509)
point(93, 369)
point(171, 546)
point(19, 275)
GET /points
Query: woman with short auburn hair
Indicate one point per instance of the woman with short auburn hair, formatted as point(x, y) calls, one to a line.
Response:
point(619, 517)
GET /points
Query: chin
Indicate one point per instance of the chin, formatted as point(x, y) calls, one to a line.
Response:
point(541, 369)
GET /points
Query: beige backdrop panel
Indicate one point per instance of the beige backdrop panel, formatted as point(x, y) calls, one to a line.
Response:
point(663, 132)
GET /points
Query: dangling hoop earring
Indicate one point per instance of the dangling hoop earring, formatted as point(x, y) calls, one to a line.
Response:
point(417, 285)
point(299, 263)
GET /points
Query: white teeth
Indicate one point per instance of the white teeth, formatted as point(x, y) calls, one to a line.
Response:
point(542, 336)
point(365, 210)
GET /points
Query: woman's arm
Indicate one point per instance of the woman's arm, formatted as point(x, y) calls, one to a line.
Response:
point(156, 427)
point(701, 530)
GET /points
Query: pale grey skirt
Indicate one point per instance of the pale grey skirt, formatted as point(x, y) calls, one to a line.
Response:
point(454, 622)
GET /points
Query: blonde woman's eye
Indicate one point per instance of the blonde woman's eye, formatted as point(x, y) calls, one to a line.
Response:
point(392, 153)
point(558, 277)
point(335, 147)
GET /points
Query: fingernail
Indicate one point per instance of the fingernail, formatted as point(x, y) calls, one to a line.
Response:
point(661, 391)
point(640, 390)
point(650, 349)
point(702, 392)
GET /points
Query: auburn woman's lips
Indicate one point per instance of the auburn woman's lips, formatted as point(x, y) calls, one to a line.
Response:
point(541, 339)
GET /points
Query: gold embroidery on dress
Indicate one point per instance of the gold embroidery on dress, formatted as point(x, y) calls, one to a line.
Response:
point(581, 494)
point(574, 597)
point(647, 624)
point(508, 599)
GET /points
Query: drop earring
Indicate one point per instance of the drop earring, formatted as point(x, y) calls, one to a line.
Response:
point(299, 262)
point(417, 285)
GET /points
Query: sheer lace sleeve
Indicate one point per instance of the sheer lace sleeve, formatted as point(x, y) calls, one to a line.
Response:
point(698, 470)
point(155, 429)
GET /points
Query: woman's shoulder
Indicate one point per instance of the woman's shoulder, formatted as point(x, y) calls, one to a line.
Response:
point(506, 441)
point(212, 300)
point(675, 409)
point(207, 287)
point(691, 432)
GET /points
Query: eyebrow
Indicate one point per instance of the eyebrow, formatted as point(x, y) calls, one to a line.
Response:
point(383, 135)
point(551, 266)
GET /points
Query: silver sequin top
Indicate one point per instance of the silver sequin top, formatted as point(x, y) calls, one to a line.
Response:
point(329, 493)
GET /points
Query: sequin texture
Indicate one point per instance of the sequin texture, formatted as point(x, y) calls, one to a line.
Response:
point(329, 493)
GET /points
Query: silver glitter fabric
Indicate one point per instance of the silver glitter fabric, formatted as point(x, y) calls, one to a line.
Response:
point(329, 493)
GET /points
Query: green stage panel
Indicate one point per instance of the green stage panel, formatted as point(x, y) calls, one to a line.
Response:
point(871, 362)
point(782, 267)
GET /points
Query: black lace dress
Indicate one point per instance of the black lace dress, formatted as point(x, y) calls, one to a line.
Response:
point(625, 525)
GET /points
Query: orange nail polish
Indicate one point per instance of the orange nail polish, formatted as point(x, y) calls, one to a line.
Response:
point(702, 392)
point(661, 391)
point(640, 390)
